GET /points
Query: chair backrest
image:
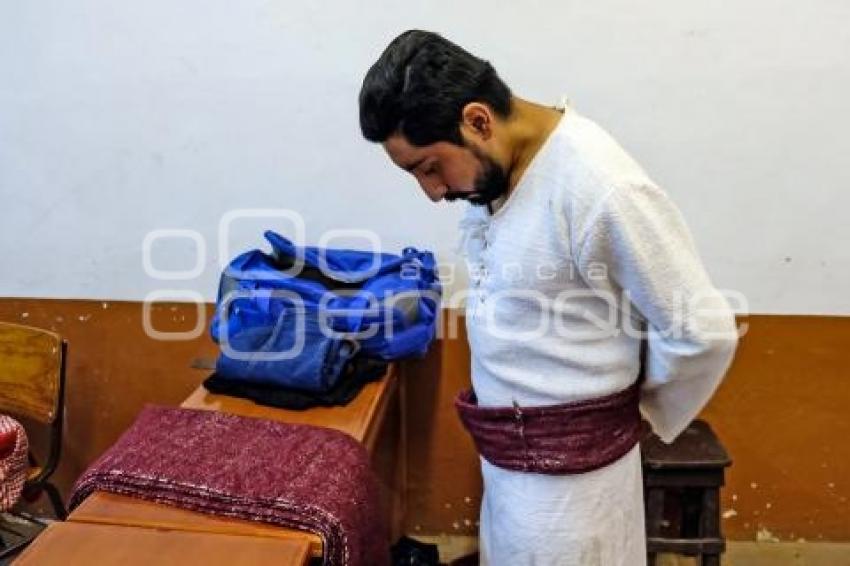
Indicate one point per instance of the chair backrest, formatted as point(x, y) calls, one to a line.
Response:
point(31, 362)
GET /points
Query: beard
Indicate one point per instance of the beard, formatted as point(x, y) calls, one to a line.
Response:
point(491, 184)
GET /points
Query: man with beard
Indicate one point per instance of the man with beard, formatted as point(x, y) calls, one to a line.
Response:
point(558, 381)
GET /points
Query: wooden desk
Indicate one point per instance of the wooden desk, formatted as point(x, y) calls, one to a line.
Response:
point(363, 419)
point(79, 544)
point(103, 508)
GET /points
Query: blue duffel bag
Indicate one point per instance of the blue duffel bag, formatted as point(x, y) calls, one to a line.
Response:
point(295, 317)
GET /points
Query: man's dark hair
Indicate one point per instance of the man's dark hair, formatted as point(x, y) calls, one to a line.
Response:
point(419, 87)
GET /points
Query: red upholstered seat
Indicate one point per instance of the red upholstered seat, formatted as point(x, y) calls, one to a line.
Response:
point(13, 461)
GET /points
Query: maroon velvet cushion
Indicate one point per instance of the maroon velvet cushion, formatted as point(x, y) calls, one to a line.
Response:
point(8, 439)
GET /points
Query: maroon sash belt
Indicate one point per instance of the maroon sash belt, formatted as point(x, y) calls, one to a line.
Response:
point(569, 438)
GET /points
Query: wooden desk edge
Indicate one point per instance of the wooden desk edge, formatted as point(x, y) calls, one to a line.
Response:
point(380, 405)
point(215, 524)
point(299, 549)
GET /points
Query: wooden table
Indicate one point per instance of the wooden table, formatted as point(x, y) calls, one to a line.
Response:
point(80, 544)
point(363, 418)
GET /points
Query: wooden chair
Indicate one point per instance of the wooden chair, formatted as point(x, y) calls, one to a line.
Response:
point(32, 386)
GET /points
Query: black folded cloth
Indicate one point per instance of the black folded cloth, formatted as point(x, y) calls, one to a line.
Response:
point(358, 372)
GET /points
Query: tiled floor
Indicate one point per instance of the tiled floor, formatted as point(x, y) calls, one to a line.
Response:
point(13, 531)
point(738, 553)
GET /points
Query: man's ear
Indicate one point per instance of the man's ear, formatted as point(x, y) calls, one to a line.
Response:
point(477, 121)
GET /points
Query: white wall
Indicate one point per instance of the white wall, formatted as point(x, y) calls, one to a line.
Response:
point(119, 118)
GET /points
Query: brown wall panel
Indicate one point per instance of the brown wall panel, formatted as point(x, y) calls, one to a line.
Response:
point(783, 415)
point(113, 367)
point(782, 412)
point(443, 477)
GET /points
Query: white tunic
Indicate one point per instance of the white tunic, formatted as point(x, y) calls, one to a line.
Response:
point(563, 276)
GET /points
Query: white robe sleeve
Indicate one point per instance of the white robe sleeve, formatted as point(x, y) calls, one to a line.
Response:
point(641, 239)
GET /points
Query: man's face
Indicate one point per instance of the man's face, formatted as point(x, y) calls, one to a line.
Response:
point(448, 171)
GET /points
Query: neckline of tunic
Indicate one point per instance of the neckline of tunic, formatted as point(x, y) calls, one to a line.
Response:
point(523, 180)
